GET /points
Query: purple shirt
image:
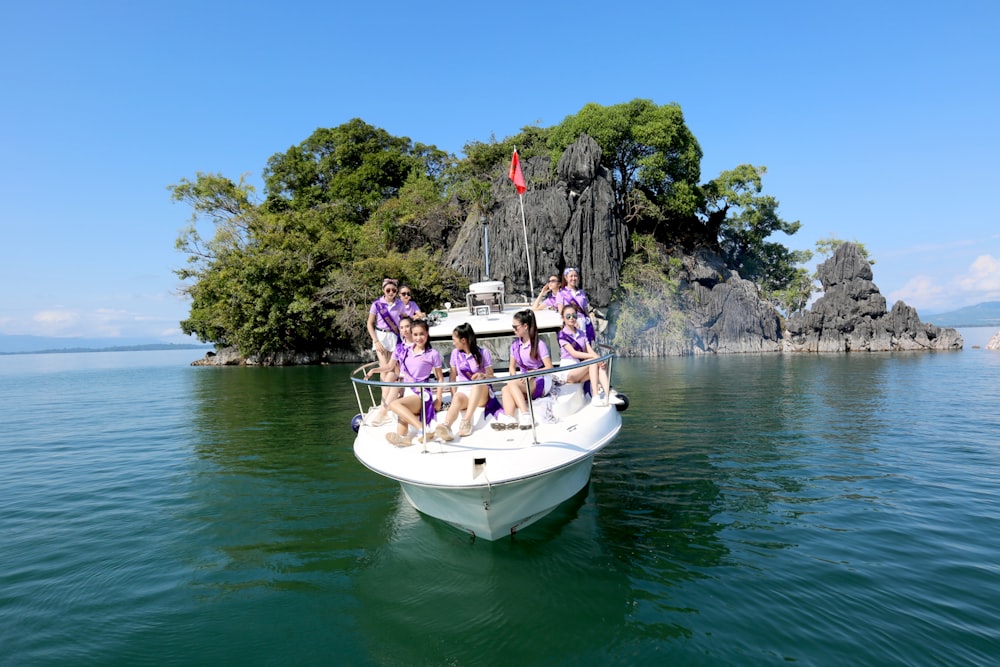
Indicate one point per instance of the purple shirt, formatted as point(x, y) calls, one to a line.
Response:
point(395, 310)
point(417, 366)
point(576, 297)
point(578, 336)
point(411, 309)
point(524, 353)
point(460, 361)
point(551, 302)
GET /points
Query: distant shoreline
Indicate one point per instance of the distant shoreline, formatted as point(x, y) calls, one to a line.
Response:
point(118, 348)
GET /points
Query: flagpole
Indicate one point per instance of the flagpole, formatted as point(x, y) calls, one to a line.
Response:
point(527, 256)
point(515, 175)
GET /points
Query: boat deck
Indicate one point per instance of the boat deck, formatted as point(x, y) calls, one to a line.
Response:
point(488, 455)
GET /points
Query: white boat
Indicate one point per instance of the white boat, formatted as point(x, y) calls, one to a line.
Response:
point(493, 483)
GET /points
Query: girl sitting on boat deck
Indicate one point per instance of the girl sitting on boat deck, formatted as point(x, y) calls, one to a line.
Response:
point(527, 353)
point(572, 294)
point(410, 306)
point(546, 298)
point(574, 348)
point(390, 374)
point(468, 362)
point(415, 364)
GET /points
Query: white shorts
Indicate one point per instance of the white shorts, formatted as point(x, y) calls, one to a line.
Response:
point(561, 376)
point(388, 340)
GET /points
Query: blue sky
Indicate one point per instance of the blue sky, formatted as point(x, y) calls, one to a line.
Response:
point(876, 121)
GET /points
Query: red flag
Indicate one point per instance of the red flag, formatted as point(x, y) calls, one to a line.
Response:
point(515, 174)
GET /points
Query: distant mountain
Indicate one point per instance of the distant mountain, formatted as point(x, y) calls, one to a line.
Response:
point(36, 344)
point(985, 314)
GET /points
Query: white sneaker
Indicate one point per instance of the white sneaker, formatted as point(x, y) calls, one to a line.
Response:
point(376, 420)
point(615, 399)
point(524, 422)
point(598, 402)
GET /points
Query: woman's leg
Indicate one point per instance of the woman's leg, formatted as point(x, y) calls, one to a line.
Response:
point(459, 401)
point(407, 408)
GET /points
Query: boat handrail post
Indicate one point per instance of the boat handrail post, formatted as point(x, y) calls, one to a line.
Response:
point(531, 405)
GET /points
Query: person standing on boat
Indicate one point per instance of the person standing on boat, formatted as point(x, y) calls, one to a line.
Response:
point(390, 373)
point(468, 362)
point(546, 298)
point(527, 353)
point(416, 364)
point(410, 306)
point(572, 294)
point(383, 321)
point(574, 348)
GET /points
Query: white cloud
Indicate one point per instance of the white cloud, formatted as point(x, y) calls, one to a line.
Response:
point(55, 322)
point(920, 292)
point(978, 282)
point(983, 275)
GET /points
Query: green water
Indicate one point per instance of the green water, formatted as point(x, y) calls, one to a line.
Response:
point(820, 510)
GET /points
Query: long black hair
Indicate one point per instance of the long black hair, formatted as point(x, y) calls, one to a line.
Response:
point(528, 317)
point(467, 333)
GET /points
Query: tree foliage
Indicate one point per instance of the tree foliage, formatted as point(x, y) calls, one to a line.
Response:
point(650, 316)
point(653, 158)
point(287, 274)
point(742, 219)
point(826, 247)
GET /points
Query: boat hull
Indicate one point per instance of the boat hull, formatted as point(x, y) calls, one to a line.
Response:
point(491, 511)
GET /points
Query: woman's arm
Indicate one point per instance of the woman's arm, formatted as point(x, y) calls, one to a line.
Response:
point(440, 378)
point(371, 332)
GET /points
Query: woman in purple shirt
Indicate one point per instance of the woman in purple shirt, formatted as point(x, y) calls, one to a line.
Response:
point(527, 353)
point(547, 295)
point(416, 364)
point(390, 373)
point(468, 362)
point(383, 321)
point(572, 294)
point(574, 348)
point(410, 306)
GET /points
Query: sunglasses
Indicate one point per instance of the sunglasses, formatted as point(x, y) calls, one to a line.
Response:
point(571, 316)
point(390, 290)
point(404, 294)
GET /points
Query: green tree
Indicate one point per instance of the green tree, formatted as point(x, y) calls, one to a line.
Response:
point(285, 275)
point(741, 220)
point(352, 168)
point(653, 159)
point(826, 247)
point(793, 298)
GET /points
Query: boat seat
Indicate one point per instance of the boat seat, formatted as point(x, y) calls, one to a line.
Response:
point(566, 399)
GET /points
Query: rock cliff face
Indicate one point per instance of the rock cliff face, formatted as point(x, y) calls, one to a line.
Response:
point(724, 313)
point(569, 223)
point(851, 315)
point(994, 343)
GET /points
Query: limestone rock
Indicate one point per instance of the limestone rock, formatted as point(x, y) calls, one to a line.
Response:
point(724, 313)
point(569, 220)
point(851, 315)
point(994, 343)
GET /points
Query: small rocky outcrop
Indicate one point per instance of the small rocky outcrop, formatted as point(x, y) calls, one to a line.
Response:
point(230, 356)
point(994, 343)
point(724, 312)
point(851, 315)
point(569, 220)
